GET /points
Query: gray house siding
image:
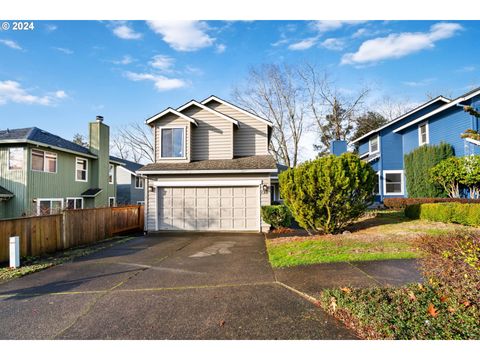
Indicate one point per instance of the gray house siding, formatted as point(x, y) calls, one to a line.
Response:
point(127, 194)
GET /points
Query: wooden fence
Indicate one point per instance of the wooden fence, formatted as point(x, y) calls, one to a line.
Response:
point(50, 233)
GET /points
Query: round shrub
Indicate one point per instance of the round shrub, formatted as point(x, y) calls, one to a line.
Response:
point(277, 215)
point(328, 193)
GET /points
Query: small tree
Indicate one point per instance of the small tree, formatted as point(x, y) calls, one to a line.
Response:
point(328, 193)
point(470, 175)
point(448, 174)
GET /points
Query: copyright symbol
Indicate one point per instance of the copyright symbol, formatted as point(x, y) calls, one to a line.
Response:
point(5, 25)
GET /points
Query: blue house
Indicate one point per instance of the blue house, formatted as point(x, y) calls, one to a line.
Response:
point(438, 120)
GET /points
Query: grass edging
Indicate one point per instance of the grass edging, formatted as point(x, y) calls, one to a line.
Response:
point(31, 265)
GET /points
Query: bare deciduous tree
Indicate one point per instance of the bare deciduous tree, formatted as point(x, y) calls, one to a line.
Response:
point(332, 110)
point(134, 142)
point(274, 92)
point(391, 109)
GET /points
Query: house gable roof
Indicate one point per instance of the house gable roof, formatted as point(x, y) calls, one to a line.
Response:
point(411, 112)
point(127, 164)
point(224, 102)
point(212, 111)
point(462, 98)
point(167, 111)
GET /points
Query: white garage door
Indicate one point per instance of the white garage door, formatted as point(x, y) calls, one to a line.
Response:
point(209, 208)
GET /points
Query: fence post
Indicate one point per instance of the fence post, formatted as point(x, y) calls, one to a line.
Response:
point(14, 252)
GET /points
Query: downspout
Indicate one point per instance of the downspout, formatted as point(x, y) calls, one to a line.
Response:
point(380, 168)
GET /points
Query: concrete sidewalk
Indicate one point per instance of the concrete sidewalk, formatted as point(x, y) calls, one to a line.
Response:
point(312, 279)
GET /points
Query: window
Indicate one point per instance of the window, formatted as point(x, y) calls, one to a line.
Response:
point(140, 202)
point(111, 201)
point(173, 142)
point(81, 169)
point(111, 173)
point(74, 203)
point(373, 145)
point(423, 136)
point(272, 194)
point(376, 188)
point(49, 206)
point(44, 161)
point(393, 182)
point(15, 159)
point(138, 182)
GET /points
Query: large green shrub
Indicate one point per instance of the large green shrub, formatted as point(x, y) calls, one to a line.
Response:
point(417, 166)
point(277, 215)
point(464, 214)
point(328, 193)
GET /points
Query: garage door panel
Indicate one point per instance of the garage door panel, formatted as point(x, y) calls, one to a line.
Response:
point(209, 208)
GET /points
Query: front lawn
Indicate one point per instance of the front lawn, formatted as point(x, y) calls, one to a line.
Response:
point(379, 236)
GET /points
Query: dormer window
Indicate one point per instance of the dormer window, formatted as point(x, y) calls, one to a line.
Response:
point(423, 136)
point(374, 145)
point(173, 142)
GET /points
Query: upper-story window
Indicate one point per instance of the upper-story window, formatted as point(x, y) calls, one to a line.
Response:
point(374, 145)
point(423, 136)
point(173, 142)
point(81, 169)
point(138, 182)
point(15, 158)
point(44, 161)
point(111, 174)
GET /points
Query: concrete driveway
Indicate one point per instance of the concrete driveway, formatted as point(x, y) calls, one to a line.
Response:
point(164, 286)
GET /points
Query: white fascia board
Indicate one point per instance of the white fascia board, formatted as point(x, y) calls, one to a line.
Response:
point(206, 108)
point(473, 141)
point(171, 111)
point(224, 102)
point(187, 172)
point(436, 111)
point(207, 183)
point(413, 111)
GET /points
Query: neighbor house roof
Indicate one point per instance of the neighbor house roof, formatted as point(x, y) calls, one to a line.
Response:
point(411, 112)
point(258, 163)
point(127, 164)
point(36, 136)
point(462, 98)
point(91, 192)
point(4, 193)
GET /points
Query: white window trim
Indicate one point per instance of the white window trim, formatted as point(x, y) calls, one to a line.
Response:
point(114, 201)
point(140, 202)
point(48, 199)
point(23, 158)
point(86, 170)
point(143, 182)
point(160, 128)
point(75, 199)
point(206, 183)
point(44, 161)
point(420, 134)
point(113, 173)
point(370, 145)
point(378, 185)
point(402, 182)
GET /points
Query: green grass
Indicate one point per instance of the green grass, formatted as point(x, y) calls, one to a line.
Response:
point(411, 312)
point(381, 235)
point(327, 251)
point(33, 264)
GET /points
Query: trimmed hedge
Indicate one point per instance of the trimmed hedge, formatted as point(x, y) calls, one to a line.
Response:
point(401, 203)
point(464, 214)
point(277, 215)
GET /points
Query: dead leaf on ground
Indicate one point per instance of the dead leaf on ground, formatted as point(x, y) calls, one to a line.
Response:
point(412, 296)
point(333, 304)
point(346, 290)
point(432, 311)
point(221, 323)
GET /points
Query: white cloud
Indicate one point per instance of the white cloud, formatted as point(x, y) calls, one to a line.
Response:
point(335, 44)
point(418, 83)
point(125, 60)
point(330, 25)
point(64, 50)
point(161, 82)
point(162, 62)
point(51, 27)
point(12, 92)
point(123, 31)
point(303, 44)
point(397, 45)
point(11, 44)
point(185, 35)
point(220, 48)
point(469, 68)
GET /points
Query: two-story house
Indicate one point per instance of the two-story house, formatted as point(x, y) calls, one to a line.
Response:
point(42, 173)
point(438, 120)
point(130, 186)
point(212, 168)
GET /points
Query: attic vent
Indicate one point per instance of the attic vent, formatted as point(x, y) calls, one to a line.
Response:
point(99, 118)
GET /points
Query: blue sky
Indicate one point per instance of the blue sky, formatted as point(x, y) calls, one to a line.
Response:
point(63, 73)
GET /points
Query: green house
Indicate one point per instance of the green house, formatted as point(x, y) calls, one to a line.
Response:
point(41, 173)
